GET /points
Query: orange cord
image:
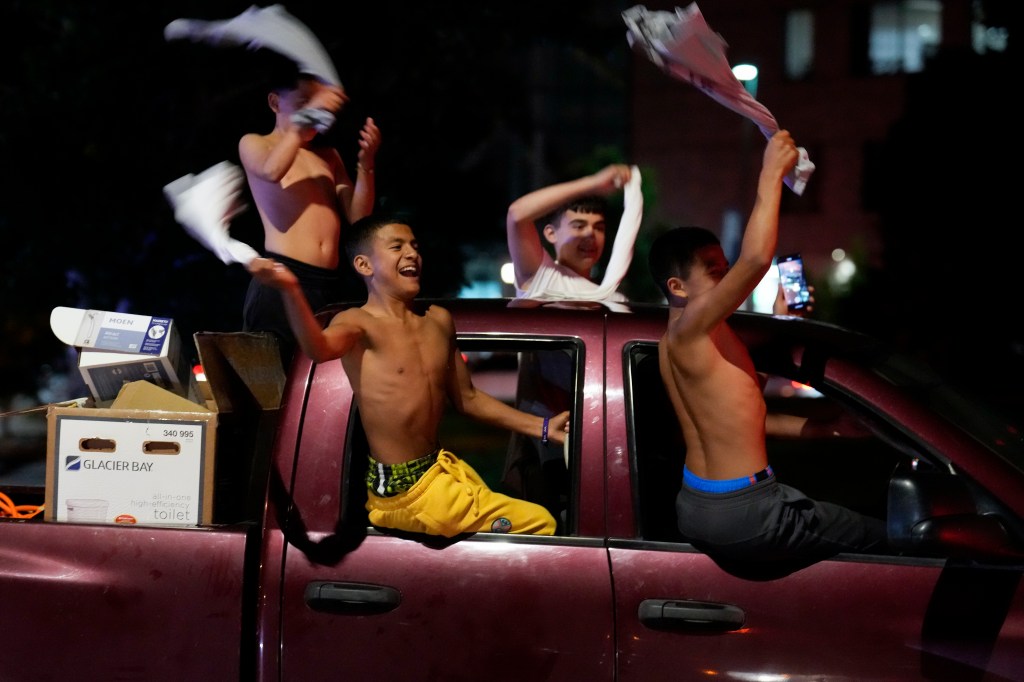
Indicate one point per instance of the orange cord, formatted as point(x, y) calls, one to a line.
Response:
point(17, 511)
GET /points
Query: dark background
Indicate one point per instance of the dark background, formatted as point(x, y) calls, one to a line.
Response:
point(99, 112)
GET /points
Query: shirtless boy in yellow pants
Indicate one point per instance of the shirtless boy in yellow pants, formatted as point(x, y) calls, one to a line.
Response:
point(402, 361)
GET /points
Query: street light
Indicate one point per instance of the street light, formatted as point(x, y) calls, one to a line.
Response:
point(747, 74)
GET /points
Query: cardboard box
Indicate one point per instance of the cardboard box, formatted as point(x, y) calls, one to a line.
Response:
point(118, 348)
point(243, 393)
point(120, 465)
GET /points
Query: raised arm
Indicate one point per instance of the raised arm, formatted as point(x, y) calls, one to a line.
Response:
point(357, 201)
point(524, 245)
point(268, 159)
point(760, 239)
point(320, 344)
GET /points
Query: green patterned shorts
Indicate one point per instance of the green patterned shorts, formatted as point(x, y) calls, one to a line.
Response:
point(388, 480)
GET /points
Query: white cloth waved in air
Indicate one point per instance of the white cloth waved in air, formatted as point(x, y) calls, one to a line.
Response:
point(204, 204)
point(682, 45)
point(272, 28)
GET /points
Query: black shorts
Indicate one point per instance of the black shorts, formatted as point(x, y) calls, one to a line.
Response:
point(264, 311)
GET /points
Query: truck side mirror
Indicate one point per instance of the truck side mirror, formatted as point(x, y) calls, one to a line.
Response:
point(932, 513)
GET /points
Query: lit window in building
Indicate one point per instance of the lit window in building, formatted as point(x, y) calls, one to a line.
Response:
point(986, 36)
point(903, 35)
point(799, 43)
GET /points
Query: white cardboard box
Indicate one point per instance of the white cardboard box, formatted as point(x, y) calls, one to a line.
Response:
point(130, 466)
point(118, 348)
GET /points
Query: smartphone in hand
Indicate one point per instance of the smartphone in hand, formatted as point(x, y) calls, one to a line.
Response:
point(794, 284)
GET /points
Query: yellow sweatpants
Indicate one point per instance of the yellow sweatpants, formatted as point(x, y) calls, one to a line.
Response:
point(451, 498)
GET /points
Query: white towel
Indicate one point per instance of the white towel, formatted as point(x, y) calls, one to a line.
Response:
point(270, 27)
point(682, 45)
point(204, 204)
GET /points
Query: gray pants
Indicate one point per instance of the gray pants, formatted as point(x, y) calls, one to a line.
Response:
point(767, 530)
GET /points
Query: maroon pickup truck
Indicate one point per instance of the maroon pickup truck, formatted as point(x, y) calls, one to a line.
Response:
point(303, 589)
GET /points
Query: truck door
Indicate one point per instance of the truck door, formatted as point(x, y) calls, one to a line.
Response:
point(360, 602)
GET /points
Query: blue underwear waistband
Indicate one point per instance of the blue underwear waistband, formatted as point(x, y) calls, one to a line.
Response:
point(727, 486)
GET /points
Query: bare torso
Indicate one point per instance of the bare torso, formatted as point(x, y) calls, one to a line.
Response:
point(398, 372)
point(718, 400)
point(301, 213)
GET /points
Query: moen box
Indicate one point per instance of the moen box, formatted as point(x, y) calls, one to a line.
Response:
point(118, 348)
point(107, 465)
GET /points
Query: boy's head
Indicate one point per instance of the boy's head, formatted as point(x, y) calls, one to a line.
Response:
point(280, 73)
point(383, 245)
point(577, 232)
point(291, 92)
point(674, 254)
point(275, 72)
point(358, 238)
point(288, 88)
